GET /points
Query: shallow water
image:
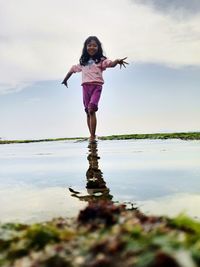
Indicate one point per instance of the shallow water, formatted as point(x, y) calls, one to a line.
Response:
point(39, 181)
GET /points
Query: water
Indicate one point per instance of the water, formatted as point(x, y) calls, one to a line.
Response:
point(39, 181)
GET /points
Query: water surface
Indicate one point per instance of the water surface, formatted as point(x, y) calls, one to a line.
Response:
point(158, 176)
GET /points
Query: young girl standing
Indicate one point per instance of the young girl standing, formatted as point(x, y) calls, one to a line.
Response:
point(92, 64)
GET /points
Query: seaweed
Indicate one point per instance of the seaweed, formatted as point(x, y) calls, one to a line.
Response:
point(103, 234)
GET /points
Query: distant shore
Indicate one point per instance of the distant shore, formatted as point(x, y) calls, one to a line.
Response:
point(179, 135)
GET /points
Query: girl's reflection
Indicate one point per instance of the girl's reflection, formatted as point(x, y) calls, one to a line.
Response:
point(96, 186)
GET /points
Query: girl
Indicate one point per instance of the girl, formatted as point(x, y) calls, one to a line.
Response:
point(92, 64)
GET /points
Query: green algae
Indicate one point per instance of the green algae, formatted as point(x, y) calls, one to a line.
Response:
point(104, 234)
point(162, 136)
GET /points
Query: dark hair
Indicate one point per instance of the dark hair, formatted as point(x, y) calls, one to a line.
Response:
point(85, 56)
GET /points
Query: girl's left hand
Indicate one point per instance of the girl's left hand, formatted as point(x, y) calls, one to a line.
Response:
point(65, 83)
point(122, 62)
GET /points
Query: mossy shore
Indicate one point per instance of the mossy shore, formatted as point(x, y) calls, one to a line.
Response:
point(183, 136)
point(180, 135)
point(103, 235)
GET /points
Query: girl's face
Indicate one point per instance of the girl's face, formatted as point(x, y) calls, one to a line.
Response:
point(92, 48)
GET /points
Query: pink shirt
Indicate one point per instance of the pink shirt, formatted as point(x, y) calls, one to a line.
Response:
point(92, 73)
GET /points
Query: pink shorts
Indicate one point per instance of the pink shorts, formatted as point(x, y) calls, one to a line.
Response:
point(91, 96)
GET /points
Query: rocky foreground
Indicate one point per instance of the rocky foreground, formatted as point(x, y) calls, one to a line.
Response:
point(103, 235)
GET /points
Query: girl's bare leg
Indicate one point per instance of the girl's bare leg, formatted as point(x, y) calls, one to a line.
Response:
point(88, 122)
point(93, 124)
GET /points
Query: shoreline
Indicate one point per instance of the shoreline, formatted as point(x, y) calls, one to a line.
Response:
point(161, 136)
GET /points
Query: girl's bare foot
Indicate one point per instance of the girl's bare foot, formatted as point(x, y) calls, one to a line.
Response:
point(92, 138)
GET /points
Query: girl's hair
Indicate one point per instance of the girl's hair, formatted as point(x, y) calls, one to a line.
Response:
point(85, 56)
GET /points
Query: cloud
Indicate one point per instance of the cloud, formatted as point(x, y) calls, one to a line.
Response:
point(177, 8)
point(40, 40)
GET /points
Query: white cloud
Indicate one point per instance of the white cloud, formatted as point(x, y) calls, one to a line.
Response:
point(40, 40)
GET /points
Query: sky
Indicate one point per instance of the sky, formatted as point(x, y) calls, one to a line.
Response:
point(40, 40)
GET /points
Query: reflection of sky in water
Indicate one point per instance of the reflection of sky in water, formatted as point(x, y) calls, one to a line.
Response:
point(172, 205)
point(159, 176)
point(35, 204)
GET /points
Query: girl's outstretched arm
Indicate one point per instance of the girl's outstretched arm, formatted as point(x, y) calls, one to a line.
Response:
point(69, 74)
point(121, 62)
